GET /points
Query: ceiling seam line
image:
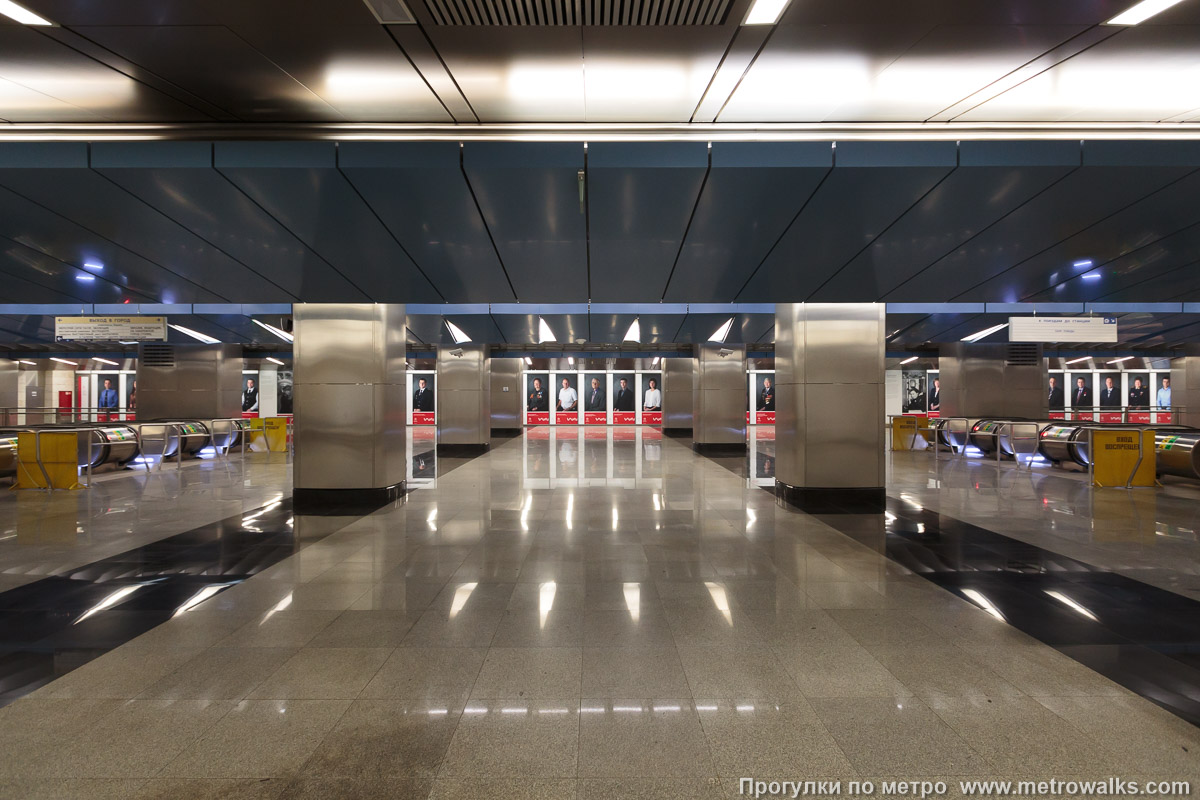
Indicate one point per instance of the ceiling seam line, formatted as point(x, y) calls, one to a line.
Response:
point(587, 229)
point(1106, 217)
point(417, 70)
point(687, 228)
point(905, 329)
point(449, 74)
point(883, 233)
point(786, 228)
point(462, 167)
point(389, 231)
point(279, 67)
point(745, 72)
point(979, 233)
point(1152, 278)
point(113, 243)
point(23, 279)
point(682, 322)
point(713, 78)
point(44, 254)
point(492, 317)
point(188, 230)
point(366, 295)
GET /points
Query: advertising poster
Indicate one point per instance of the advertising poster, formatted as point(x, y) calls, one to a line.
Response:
point(537, 398)
point(624, 398)
point(1109, 399)
point(1056, 394)
point(1138, 396)
point(250, 396)
point(764, 398)
point(108, 396)
point(914, 392)
point(934, 394)
point(651, 398)
point(131, 399)
point(595, 398)
point(285, 392)
point(1080, 397)
point(566, 398)
point(424, 401)
point(1162, 397)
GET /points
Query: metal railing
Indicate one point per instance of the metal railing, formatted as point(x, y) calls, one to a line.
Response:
point(1141, 442)
point(16, 416)
point(37, 452)
point(166, 440)
point(235, 426)
point(1014, 437)
point(1122, 414)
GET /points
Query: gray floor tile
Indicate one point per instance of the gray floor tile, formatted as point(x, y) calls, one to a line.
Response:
point(633, 672)
point(529, 672)
point(516, 740)
point(630, 739)
point(385, 739)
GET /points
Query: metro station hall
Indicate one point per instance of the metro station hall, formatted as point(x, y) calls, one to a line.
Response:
point(599, 399)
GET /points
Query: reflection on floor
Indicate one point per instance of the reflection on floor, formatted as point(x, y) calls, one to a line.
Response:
point(613, 618)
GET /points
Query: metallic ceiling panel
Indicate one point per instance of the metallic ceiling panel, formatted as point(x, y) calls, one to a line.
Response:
point(234, 76)
point(640, 201)
point(1068, 207)
point(428, 62)
point(177, 180)
point(754, 190)
point(852, 207)
point(418, 191)
point(530, 198)
point(967, 202)
point(318, 205)
point(518, 329)
point(957, 12)
point(431, 328)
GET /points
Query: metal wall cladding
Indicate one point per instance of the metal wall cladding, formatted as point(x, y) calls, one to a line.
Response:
point(349, 342)
point(829, 399)
point(464, 388)
point(719, 394)
point(506, 405)
point(204, 382)
point(1185, 385)
point(677, 393)
point(9, 372)
point(976, 381)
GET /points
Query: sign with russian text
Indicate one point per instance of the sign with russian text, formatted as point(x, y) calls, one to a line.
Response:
point(1062, 329)
point(110, 329)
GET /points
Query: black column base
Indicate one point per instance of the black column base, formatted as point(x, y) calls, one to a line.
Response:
point(714, 449)
point(812, 500)
point(462, 450)
point(344, 502)
point(677, 433)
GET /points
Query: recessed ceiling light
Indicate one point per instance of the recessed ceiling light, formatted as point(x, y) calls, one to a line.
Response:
point(1091, 276)
point(1119, 360)
point(105, 361)
point(128, 343)
point(282, 334)
point(767, 12)
point(975, 337)
point(722, 332)
point(571, 360)
point(459, 335)
point(95, 266)
point(83, 277)
point(21, 14)
point(544, 332)
point(64, 361)
point(909, 360)
point(30, 363)
point(1087, 262)
point(528, 361)
point(275, 361)
point(1142, 12)
point(634, 334)
point(194, 334)
point(1077, 360)
point(654, 363)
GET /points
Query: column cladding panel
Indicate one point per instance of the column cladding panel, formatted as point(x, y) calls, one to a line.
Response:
point(719, 395)
point(464, 389)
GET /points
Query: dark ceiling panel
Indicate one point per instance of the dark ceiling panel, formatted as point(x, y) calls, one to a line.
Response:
point(752, 193)
point(529, 194)
point(872, 185)
point(177, 179)
point(431, 328)
point(640, 201)
point(1010, 12)
point(523, 329)
point(418, 190)
point(1070, 206)
point(298, 184)
point(214, 63)
point(993, 179)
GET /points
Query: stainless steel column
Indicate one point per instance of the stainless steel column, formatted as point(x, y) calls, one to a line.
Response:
point(464, 391)
point(349, 374)
point(1185, 386)
point(719, 397)
point(993, 380)
point(829, 406)
point(677, 394)
point(189, 381)
point(506, 393)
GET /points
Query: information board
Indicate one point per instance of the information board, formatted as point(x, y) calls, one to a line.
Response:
point(110, 329)
point(1062, 329)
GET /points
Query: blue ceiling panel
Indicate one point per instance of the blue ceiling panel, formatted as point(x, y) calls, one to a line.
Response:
point(640, 201)
point(298, 184)
point(523, 328)
point(753, 192)
point(418, 191)
point(530, 197)
point(1068, 207)
point(177, 180)
point(431, 328)
point(871, 185)
point(1137, 275)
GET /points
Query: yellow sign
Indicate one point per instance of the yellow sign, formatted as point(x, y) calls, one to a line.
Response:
point(60, 457)
point(276, 431)
point(1115, 455)
point(904, 432)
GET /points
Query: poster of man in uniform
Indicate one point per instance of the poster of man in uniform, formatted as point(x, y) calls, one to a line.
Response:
point(651, 398)
point(624, 398)
point(914, 392)
point(285, 392)
point(934, 395)
point(595, 398)
point(250, 395)
point(1079, 395)
point(537, 398)
point(424, 401)
point(1139, 390)
point(108, 398)
point(1056, 394)
point(764, 398)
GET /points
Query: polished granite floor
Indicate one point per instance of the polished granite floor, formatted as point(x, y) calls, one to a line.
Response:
point(598, 614)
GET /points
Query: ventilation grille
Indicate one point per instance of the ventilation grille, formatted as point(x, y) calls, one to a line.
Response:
point(390, 12)
point(1023, 355)
point(579, 12)
point(158, 355)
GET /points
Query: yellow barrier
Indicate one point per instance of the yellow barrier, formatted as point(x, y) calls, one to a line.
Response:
point(60, 457)
point(276, 432)
point(904, 433)
point(1117, 460)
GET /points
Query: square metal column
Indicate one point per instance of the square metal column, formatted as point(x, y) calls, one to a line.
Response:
point(993, 380)
point(719, 398)
point(189, 381)
point(349, 373)
point(829, 401)
point(464, 391)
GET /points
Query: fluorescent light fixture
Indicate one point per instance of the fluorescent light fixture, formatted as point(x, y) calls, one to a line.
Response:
point(1119, 360)
point(654, 363)
point(30, 363)
point(910, 359)
point(21, 14)
point(194, 334)
point(528, 361)
point(1087, 262)
point(274, 361)
point(767, 12)
point(1091, 276)
point(460, 336)
point(722, 332)
point(1081, 358)
point(571, 360)
point(128, 342)
point(544, 332)
point(64, 361)
point(105, 361)
point(1142, 12)
point(282, 334)
point(975, 337)
point(85, 278)
point(634, 334)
